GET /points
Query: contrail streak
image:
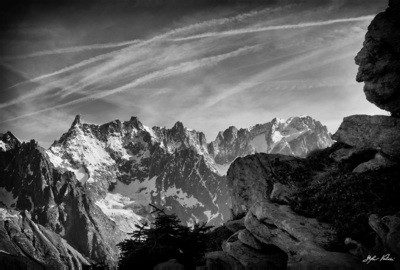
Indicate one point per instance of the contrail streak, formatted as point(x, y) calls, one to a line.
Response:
point(72, 50)
point(151, 77)
point(189, 28)
point(271, 28)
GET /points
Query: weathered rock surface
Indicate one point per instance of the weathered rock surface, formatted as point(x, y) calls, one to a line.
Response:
point(251, 179)
point(235, 225)
point(371, 132)
point(343, 154)
point(254, 259)
point(272, 222)
point(248, 239)
point(379, 60)
point(378, 162)
point(280, 193)
point(303, 238)
point(388, 230)
point(33, 245)
point(58, 202)
point(220, 260)
point(172, 264)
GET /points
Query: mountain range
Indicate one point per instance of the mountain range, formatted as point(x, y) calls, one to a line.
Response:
point(101, 178)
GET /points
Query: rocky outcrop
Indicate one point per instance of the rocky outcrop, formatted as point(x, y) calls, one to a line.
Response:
point(222, 261)
point(378, 132)
point(379, 60)
point(303, 238)
point(169, 265)
point(32, 245)
point(251, 179)
point(388, 231)
point(254, 182)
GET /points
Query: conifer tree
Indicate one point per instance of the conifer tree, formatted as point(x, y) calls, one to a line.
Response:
point(166, 238)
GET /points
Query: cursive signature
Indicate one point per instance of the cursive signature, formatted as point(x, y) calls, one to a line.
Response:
point(374, 258)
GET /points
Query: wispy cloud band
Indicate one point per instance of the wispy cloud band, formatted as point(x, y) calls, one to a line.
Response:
point(271, 28)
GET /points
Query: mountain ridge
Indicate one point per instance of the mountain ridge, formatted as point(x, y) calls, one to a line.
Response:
point(113, 171)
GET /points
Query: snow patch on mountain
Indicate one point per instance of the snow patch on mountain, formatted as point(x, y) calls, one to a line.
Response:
point(3, 146)
point(7, 214)
point(119, 209)
point(259, 143)
point(139, 191)
point(183, 198)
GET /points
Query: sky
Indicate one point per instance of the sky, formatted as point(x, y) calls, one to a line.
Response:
point(209, 67)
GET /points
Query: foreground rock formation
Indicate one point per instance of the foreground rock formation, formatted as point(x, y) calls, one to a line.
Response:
point(379, 60)
point(349, 192)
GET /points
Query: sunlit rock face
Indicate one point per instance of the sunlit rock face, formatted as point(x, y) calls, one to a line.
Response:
point(378, 132)
point(296, 136)
point(379, 60)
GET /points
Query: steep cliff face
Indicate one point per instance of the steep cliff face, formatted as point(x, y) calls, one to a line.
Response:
point(379, 60)
point(25, 244)
point(57, 201)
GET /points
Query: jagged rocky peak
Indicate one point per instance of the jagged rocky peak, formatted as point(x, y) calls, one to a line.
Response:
point(77, 121)
point(379, 61)
point(296, 136)
point(8, 141)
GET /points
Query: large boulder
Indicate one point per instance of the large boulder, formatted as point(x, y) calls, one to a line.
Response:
point(251, 179)
point(371, 132)
point(379, 60)
point(388, 230)
point(220, 260)
point(255, 259)
point(172, 264)
point(304, 239)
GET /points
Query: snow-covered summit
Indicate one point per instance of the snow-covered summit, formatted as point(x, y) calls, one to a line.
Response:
point(295, 136)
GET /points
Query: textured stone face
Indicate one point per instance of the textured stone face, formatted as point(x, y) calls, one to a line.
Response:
point(374, 132)
point(34, 246)
point(57, 201)
point(379, 60)
point(251, 179)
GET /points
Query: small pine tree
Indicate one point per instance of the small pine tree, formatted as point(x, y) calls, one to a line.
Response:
point(165, 239)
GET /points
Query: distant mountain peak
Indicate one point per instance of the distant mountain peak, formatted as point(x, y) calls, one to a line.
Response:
point(77, 121)
point(8, 141)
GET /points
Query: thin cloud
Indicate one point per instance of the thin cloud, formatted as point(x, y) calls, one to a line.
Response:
point(137, 43)
point(72, 50)
point(152, 77)
point(271, 28)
